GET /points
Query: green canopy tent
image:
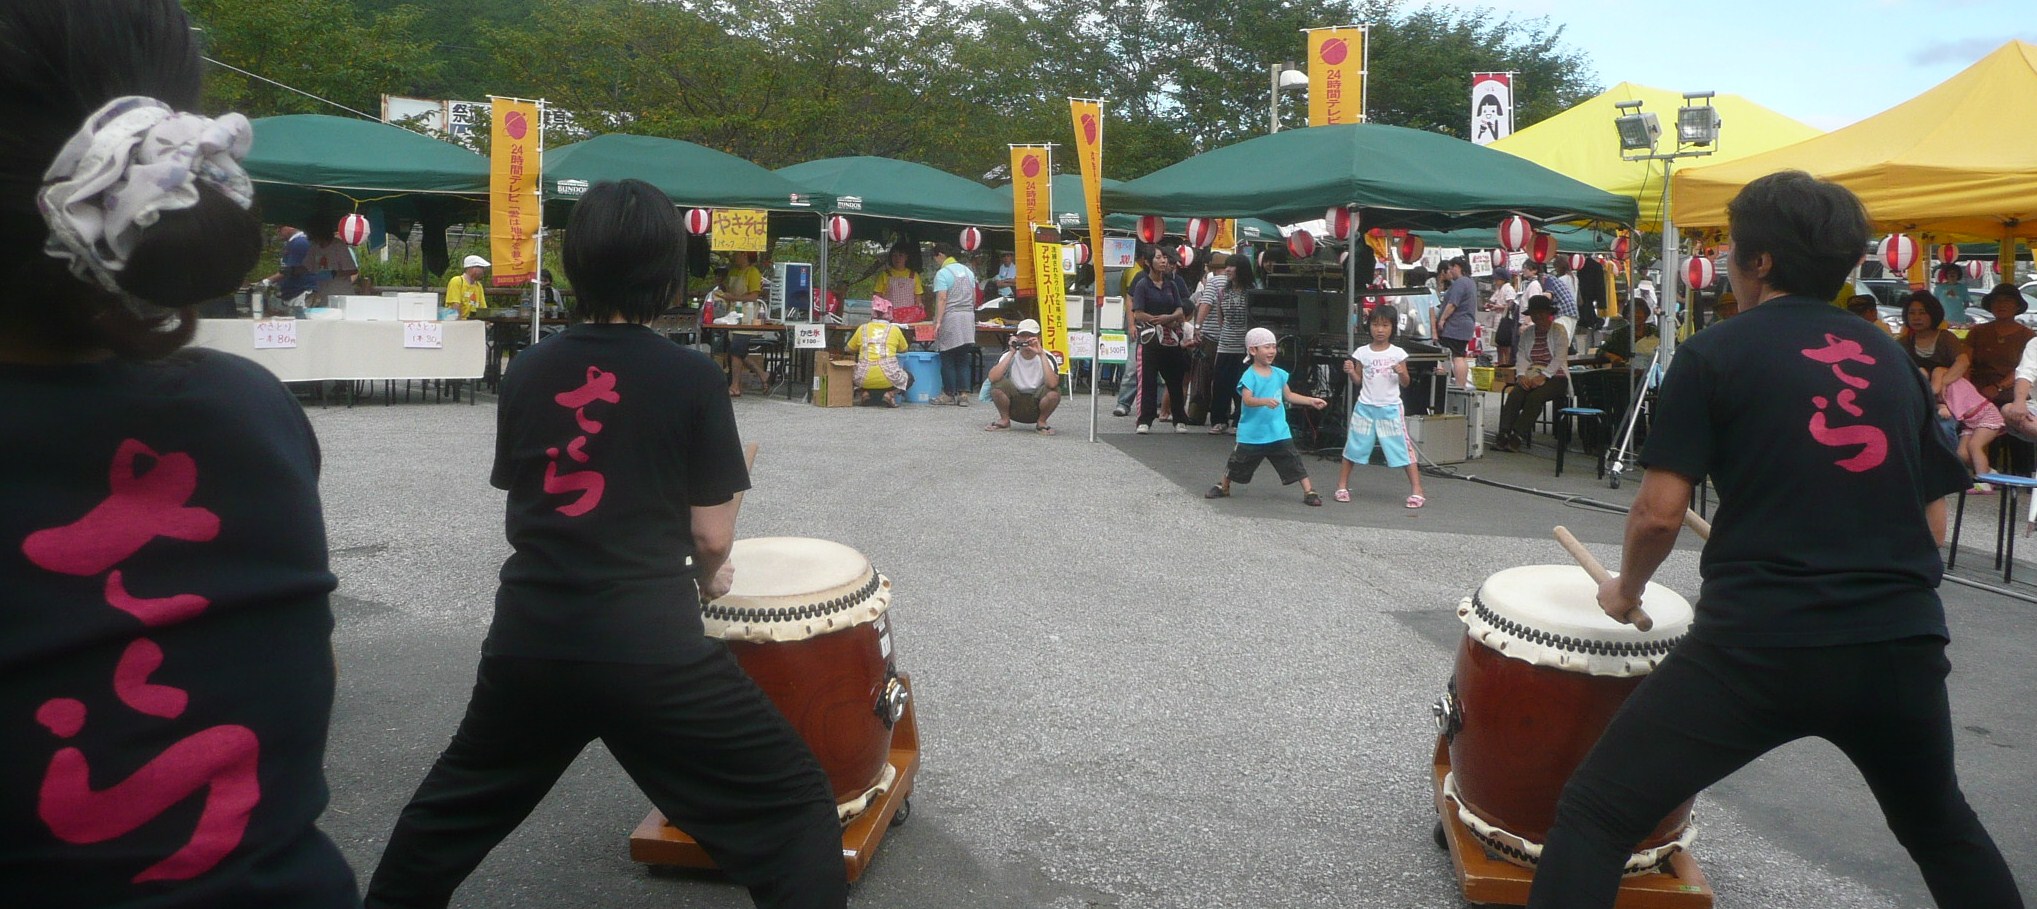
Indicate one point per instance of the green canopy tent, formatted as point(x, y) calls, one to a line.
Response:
point(1071, 213)
point(1399, 177)
point(693, 176)
point(313, 168)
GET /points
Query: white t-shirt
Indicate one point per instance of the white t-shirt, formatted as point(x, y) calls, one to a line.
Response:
point(1379, 385)
point(1027, 374)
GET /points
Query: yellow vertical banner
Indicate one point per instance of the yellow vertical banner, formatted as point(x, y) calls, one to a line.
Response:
point(516, 141)
point(1032, 196)
point(2005, 261)
point(1088, 117)
point(1336, 75)
point(739, 230)
point(1053, 299)
point(1227, 235)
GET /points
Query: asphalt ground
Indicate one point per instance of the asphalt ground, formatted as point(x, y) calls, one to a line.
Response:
point(1128, 696)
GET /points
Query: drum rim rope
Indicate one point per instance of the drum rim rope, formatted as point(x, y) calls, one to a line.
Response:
point(1523, 851)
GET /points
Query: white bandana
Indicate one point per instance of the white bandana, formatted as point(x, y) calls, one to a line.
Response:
point(134, 159)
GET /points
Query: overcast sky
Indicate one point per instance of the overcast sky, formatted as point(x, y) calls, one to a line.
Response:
point(1825, 62)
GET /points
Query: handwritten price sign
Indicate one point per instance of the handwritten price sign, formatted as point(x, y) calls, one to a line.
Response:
point(740, 230)
point(276, 334)
point(809, 337)
point(424, 335)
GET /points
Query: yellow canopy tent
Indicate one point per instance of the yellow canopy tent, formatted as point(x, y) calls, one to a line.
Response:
point(1580, 142)
point(1956, 162)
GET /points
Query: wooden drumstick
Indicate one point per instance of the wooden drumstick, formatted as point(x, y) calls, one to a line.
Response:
point(1598, 573)
point(1698, 525)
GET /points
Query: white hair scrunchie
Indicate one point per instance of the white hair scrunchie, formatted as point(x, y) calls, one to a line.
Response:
point(134, 159)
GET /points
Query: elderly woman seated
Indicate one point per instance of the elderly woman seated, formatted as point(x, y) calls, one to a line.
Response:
point(1541, 374)
point(876, 345)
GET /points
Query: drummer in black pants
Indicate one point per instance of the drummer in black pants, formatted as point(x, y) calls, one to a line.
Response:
point(620, 455)
point(1808, 420)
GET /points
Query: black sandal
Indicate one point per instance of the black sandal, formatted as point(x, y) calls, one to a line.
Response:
point(1217, 492)
point(1311, 499)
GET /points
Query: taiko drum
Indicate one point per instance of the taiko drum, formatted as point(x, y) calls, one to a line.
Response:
point(1540, 672)
point(809, 621)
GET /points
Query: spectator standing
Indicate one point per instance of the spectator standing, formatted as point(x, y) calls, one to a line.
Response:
point(1128, 282)
point(293, 280)
point(1160, 313)
point(1456, 319)
point(954, 323)
point(1223, 316)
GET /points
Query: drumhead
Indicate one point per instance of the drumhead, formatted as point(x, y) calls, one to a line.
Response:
point(794, 588)
point(1548, 615)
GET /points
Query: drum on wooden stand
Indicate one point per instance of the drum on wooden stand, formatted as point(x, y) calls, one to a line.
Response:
point(808, 620)
point(1540, 672)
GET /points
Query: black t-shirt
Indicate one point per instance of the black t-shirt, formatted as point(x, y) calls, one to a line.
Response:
point(166, 672)
point(1820, 439)
point(607, 435)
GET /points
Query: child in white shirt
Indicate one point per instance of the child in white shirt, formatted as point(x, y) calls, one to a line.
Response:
point(1381, 372)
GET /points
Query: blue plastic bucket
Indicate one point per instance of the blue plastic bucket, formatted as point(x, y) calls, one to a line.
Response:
point(925, 368)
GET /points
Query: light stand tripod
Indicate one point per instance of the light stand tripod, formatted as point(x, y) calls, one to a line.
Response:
point(1638, 398)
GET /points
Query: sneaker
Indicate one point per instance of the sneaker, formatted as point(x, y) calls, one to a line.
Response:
point(1217, 492)
point(1120, 412)
point(1143, 429)
point(1180, 428)
point(961, 400)
point(941, 399)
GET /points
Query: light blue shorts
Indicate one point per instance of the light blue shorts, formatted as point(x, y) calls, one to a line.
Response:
point(1371, 423)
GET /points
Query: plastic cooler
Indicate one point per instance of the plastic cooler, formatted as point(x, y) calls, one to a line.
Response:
point(925, 368)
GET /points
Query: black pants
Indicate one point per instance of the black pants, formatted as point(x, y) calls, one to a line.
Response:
point(1522, 406)
point(1168, 364)
point(698, 738)
point(1223, 397)
point(1709, 710)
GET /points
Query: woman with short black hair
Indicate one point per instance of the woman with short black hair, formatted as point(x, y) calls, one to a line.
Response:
point(620, 456)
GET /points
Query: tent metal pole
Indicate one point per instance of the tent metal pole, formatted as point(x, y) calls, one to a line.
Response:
point(1671, 275)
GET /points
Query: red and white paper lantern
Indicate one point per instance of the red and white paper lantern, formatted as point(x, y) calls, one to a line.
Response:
point(1152, 228)
point(1577, 261)
point(699, 221)
point(1184, 255)
point(838, 229)
point(1622, 247)
point(1302, 244)
point(971, 239)
point(1541, 248)
point(1202, 232)
point(1515, 233)
point(1343, 222)
point(1979, 268)
point(1699, 272)
point(1948, 253)
point(1898, 252)
point(353, 230)
point(1081, 253)
point(1411, 248)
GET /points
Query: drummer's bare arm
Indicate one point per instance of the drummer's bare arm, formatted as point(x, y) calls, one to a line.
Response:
point(714, 533)
point(1934, 514)
point(1652, 527)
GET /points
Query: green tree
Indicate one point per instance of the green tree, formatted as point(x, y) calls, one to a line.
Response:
point(327, 48)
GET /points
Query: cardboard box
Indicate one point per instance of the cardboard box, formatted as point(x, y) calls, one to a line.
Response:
point(1502, 376)
point(833, 382)
point(357, 308)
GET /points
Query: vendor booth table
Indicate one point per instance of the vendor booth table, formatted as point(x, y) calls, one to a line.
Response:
point(354, 351)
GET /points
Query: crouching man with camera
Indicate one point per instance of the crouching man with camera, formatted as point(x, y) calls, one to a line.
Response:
point(1025, 383)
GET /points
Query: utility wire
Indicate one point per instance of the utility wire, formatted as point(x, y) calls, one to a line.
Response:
point(293, 89)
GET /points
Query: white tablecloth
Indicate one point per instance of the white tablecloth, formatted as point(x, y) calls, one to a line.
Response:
point(344, 351)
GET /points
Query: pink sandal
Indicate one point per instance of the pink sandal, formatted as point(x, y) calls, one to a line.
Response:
point(1342, 495)
point(1416, 501)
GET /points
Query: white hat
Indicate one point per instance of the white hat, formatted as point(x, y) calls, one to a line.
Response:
point(1027, 327)
point(1258, 337)
point(474, 261)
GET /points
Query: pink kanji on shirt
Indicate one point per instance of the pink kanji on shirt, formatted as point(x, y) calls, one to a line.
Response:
point(1871, 440)
point(586, 485)
point(148, 498)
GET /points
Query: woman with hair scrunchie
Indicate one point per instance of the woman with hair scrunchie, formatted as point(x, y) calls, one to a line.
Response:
point(166, 651)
